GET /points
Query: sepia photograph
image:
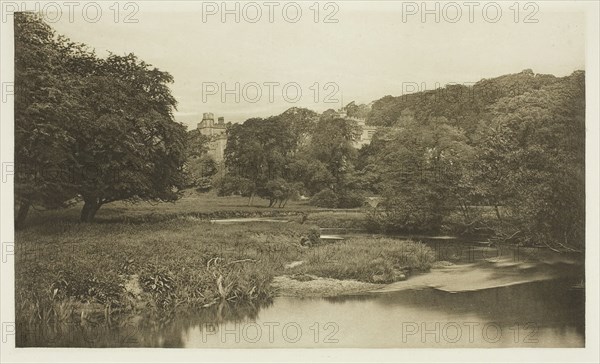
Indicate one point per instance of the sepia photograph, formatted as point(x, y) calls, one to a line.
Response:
point(314, 180)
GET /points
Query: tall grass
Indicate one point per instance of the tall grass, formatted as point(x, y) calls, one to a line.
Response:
point(64, 268)
point(368, 259)
point(90, 263)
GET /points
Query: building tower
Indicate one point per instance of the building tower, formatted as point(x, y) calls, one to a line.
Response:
point(207, 123)
point(216, 133)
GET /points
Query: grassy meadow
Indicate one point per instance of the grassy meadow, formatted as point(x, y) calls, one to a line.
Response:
point(152, 258)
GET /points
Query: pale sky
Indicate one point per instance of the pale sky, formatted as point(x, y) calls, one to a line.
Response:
point(369, 53)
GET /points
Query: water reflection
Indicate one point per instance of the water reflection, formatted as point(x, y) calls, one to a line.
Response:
point(156, 329)
point(538, 314)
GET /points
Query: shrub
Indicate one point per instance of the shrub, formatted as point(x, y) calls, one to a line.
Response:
point(204, 184)
point(406, 214)
point(351, 199)
point(233, 185)
point(278, 191)
point(344, 199)
point(325, 198)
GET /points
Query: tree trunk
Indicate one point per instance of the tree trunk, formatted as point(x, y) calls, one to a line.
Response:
point(94, 210)
point(497, 212)
point(22, 214)
point(90, 207)
point(465, 211)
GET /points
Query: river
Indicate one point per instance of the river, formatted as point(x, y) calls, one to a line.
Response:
point(488, 298)
point(537, 314)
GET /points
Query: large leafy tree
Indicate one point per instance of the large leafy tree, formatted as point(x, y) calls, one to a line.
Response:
point(200, 166)
point(126, 135)
point(257, 151)
point(310, 172)
point(533, 159)
point(106, 124)
point(421, 166)
point(45, 104)
point(296, 151)
point(260, 154)
point(360, 111)
point(332, 145)
point(521, 138)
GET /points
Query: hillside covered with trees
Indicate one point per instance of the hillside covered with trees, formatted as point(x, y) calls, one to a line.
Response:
point(505, 156)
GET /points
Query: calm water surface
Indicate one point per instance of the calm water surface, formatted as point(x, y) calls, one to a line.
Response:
point(538, 314)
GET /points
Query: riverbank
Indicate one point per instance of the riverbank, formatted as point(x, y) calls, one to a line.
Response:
point(204, 206)
point(64, 269)
point(150, 263)
point(314, 286)
point(497, 272)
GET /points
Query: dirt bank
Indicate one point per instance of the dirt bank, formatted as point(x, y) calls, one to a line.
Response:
point(313, 286)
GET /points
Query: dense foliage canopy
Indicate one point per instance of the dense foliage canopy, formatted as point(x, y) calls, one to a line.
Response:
point(98, 129)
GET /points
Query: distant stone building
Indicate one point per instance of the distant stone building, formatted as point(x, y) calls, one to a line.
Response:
point(366, 131)
point(216, 133)
point(366, 135)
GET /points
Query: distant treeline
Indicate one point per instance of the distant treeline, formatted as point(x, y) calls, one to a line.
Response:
point(504, 157)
